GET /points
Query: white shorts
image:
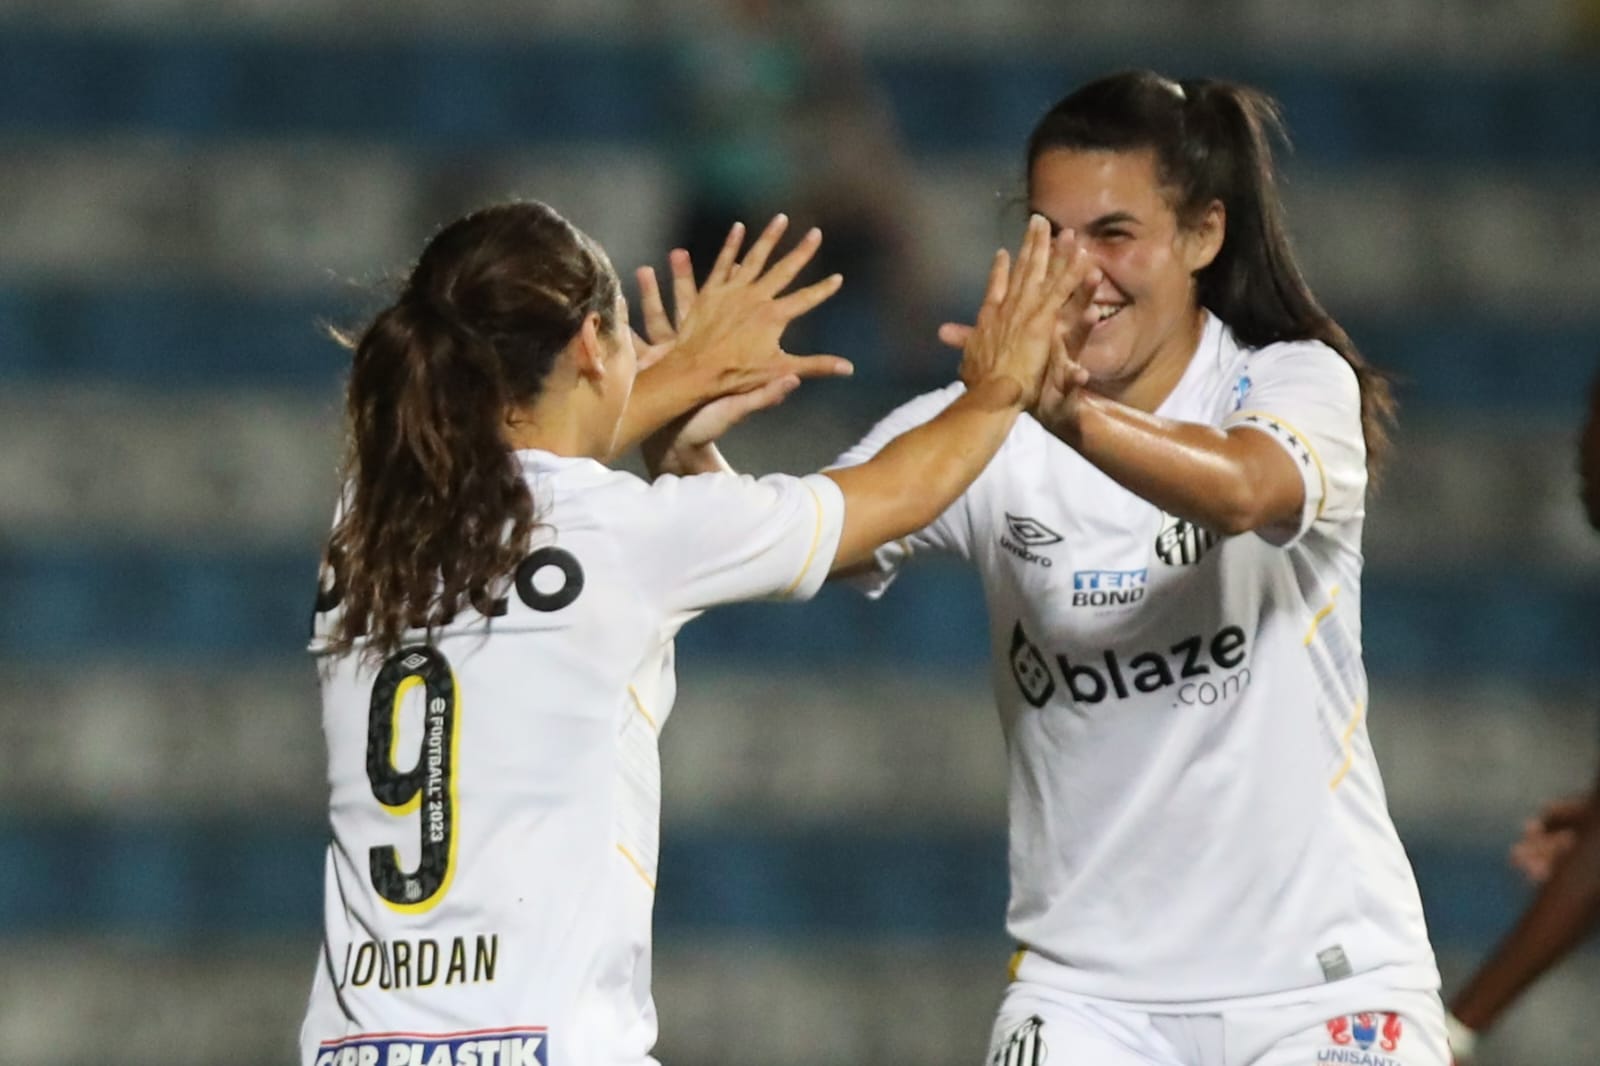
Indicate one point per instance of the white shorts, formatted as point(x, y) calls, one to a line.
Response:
point(1038, 1026)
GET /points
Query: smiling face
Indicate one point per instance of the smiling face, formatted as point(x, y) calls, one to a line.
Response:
point(1150, 318)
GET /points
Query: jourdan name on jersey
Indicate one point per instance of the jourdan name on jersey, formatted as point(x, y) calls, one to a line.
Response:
point(480, 1047)
point(1203, 671)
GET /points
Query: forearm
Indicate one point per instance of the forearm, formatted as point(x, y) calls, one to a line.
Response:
point(923, 471)
point(1565, 910)
point(660, 395)
point(661, 456)
point(1227, 483)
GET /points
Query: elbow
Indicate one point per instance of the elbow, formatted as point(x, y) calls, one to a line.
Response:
point(1236, 513)
point(1232, 523)
point(1250, 504)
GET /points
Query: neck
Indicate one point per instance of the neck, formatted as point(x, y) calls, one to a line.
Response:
point(557, 428)
point(1150, 387)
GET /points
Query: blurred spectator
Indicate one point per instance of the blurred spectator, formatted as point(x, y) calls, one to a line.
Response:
point(778, 113)
point(1559, 849)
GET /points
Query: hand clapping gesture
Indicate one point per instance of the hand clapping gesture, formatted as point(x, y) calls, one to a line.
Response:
point(1028, 324)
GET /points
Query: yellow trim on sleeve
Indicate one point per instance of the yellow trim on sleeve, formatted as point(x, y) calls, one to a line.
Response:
point(1016, 963)
point(1349, 749)
point(639, 705)
point(1237, 419)
point(1316, 620)
point(639, 869)
point(816, 539)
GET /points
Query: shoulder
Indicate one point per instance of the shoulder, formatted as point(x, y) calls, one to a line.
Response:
point(1289, 373)
point(1309, 361)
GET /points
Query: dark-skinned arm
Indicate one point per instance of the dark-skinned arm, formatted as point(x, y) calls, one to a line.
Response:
point(1565, 911)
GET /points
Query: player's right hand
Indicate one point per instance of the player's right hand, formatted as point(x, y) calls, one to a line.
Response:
point(1016, 328)
point(1549, 837)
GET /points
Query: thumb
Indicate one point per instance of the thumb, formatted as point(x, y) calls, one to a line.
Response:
point(819, 366)
point(954, 334)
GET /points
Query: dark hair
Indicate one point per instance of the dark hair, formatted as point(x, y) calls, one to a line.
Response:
point(1212, 142)
point(436, 512)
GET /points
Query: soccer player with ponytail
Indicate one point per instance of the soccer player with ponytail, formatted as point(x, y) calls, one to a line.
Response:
point(1203, 868)
point(495, 624)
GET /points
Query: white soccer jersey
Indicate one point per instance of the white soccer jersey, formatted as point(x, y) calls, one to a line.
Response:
point(1195, 812)
point(496, 792)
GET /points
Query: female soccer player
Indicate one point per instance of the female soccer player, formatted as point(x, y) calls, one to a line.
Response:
point(495, 632)
point(1203, 868)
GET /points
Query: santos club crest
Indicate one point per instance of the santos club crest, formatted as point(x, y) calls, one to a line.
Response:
point(1182, 543)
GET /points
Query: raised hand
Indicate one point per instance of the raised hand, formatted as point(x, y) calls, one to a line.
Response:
point(1549, 837)
point(725, 334)
point(683, 446)
point(1064, 379)
point(1017, 326)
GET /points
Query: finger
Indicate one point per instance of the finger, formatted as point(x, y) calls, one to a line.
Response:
point(785, 270)
point(683, 287)
point(722, 269)
point(657, 326)
point(954, 334)
point(800, 301)
point(1068, 264)
point(1039, 232)
point(818, 366)
point(1078, 311)
point(738, 407)
point(1033, 259)
point(755, 261)
point(994, 290)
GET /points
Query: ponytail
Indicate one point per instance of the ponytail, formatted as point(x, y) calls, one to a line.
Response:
point(1213, 142)
point(1255, 284)
point(437, 514)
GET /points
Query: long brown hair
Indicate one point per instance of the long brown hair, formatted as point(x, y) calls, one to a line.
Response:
point(1213, 141)
point(436, 512)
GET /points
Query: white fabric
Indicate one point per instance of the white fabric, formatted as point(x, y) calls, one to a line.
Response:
point(1195, 812)
point(547, 749)
point(1355, 1022)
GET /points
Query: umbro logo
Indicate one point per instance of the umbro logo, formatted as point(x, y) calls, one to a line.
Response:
point(1024, 534)
point(1030, 531)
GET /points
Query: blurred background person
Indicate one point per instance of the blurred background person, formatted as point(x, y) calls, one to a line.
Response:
point(1559, 850)
point(189, 191)
point(774, 110)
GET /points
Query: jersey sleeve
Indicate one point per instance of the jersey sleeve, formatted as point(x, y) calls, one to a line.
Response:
point(722, 538)
point(1305, 396)
point(951, 532)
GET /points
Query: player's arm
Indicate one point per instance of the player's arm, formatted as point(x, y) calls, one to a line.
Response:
point(1565, 911)
point(919, 474)
point(1231, 481)
point(725, 341)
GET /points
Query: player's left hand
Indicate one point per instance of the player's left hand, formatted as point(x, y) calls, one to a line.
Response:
point(725, 333)
point(681, 446)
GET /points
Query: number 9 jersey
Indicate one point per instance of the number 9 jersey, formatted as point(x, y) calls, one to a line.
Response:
point(495, 791)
